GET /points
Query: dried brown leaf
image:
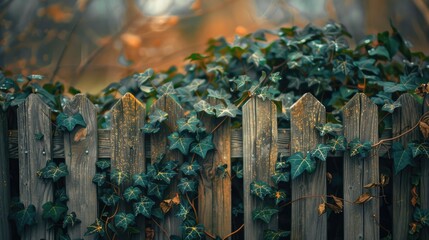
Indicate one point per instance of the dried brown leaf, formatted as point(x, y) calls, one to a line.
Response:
point(363, 198)
point(167, 204)
point(321, 209)
point(371, 185)
point(329, 177)
point(414, 196)
point(334, 208)
point(384, 180)
point(80, 134)
point(424, 127)
point(338, 202)
point(422, 89)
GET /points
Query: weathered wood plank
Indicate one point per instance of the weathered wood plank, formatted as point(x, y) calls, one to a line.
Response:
point(404, 118)
point(159, 145)
point(214, 192)
point(259, 158)
point(34, 117)
point(424, 180)
point(306, 113)
point(360, 120)
point(127, 144)
point(80, 147)
point(4, 178)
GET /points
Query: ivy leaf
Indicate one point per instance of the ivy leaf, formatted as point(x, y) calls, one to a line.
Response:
point(191, 123)
point(299, 164)
point(99, 179)
point(165, 174)
point(260, 189)
point(264, 214)
point(54, 211)
point(343, 65)
point(229, 111)
point(390, 107)
point(419, 149)
point(275, 77)
point(25, 216)
point(193, 231)
point(109, 197)
point(54, 171)
point(240, 82)
point(149, 128)
point(103, 164)
point(401, 157)
point(203, 106)
point(203, 146)
point(143, 206)
point(187, 185)
point(38, 136)
point(405, 83)
point(379, 51)
point(329, 128)
point(70, 220)
point(141, 180)
point(278, 177)
point(237, 168)
point(190, 169)
point(338, 143)
point(95, 228)
point(158, 116)
point(166, 89)
point(320, 152)
point(123, 220)
point(184, 210)
point(280, 165)
point(61, 195)
point(279, 196)
point(144, 76)
point(275, 235)
point(357, 147)
point(421, 216)
point(219, 94)
point(156, 189)
point(65, 122)
point(118, 177)
point(180, 141)
point(132, 193)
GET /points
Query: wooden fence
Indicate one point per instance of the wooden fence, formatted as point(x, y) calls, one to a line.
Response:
point(258, 142)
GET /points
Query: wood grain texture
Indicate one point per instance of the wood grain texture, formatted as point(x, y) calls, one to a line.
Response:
point(80, 147)
point(127, 145)
point(424, 179)
point(306, 113)
point(403, 119)
point(159, 145)
point(34, 117)
point(259, 158)
point(4, 178)
point(360, 120)
point(214, 192)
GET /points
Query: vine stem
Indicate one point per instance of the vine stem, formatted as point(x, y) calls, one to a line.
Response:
point(236, 231)
point(160, 227)
point(193, 208)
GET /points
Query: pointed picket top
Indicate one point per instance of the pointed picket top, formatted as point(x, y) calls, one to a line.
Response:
point(80, 148)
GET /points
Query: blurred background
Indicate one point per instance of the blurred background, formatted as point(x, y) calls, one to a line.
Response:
point(90, 43)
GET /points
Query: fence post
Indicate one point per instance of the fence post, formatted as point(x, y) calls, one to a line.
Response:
point(360, 120)
point(4, 178)
point(424, 179)
point(214, 192)
point(159, 142)
point(80, 151)
point(127, 143)
point(259, 158)
point(306, 113)
point(34, 118)
point(404, 118)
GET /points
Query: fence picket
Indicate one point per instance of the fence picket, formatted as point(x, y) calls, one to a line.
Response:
point(306, 113)
point(259, 158)
point(159, 142)
point(424, 179)
point(34, 118)
point(127, 143)
point(4, 178)
point(360, 120)
point(80, 147)
point(214, 200)
point(404, 118)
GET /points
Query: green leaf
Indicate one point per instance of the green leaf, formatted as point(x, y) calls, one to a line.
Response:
point(240, 82)
point(190, 123)
point(99, 179)
point(190, 169)
point(359, 148)
point(123, 220)
point(237, 168)
point(320, 152)
point(275, 235)
point(421, 216)
point(61, 195)
point(221, 170)
point(156, 189)
point(299, 164)
point(165, 174)
point(38, 136)
point(193, 232)
point(132, 193)
point(275, 77)
point(149, 128)
point(278, 177)
point(54, 171)
point(226, 111)
point(141, 180)
point(24, 217)
point(203, 146)
point(260, 189)
point(54, 211)
point(118, 177)
point(65, 122)
point(390, 107)
point(70, 220)
point(203, 106)
point(329, 128)
point(279, 196)
point(401, 157)
point(379, 51)
point(264, 214)
point(158, 116)
point(166, 89)
point(144, 76)
point(180, 141)
point(143, 206)
point(103, 164)
point(338, 143)
point(184, 210)
point(219, 94)
point(196, 57)
point(343, 65)
point(187, 185)
point(419, 149)
point(95, 228)
point(109, 197)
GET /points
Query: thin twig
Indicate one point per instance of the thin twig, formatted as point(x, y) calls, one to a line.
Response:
point(236, 231)
point(400, 135)
point(193, 208)
point(162, 229)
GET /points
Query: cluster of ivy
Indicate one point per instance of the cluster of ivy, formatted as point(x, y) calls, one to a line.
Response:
point(279, 66)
